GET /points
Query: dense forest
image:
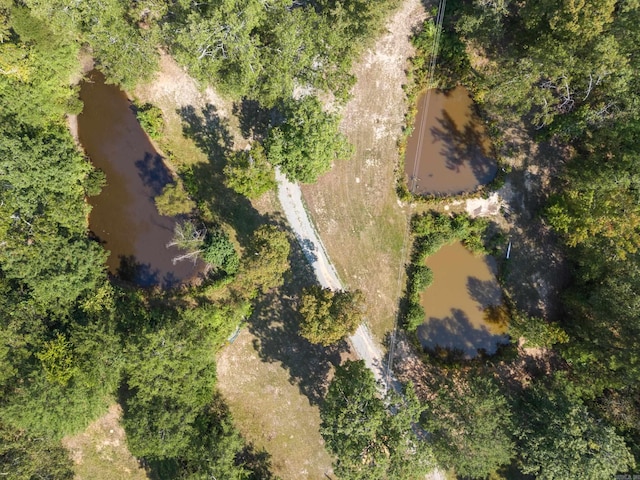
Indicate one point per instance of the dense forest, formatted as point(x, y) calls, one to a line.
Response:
point(76, 339)
point(566, 74)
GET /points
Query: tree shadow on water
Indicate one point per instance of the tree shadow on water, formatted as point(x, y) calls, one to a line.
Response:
point(205, 181)
point(153, 173)
point(465, 147)
point(132, 271)
point(485, 292)
point(275, 322)
point(456, 332)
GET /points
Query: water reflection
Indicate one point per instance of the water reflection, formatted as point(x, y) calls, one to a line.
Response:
point(462, 304)
point(448, 151)
point(124, 217)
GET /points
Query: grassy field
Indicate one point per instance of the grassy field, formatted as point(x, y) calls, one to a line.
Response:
point(354, 206)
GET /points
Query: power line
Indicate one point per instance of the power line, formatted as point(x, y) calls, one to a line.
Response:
point(427, 100)
point(425, 108)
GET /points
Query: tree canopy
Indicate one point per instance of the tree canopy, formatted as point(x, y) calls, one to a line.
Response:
point(328, 316)
point(471, 425)
point(308, 141)
point(372, 436)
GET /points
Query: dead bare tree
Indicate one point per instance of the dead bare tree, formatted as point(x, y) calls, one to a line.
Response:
point(189, 238)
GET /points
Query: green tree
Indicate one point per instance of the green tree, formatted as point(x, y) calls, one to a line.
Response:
point(536, 331)
point(217, 42)
point(220, 253)
point(23, 457)
point(470, 423)
point(328, 316)
point(151, 120)
point(249, 173)
point(307, 143)
point(174, 201)
point(360, 429)
point(123, 51)
point(170, 376)
point(37, 64)
point(264, 263)
point(559, 438)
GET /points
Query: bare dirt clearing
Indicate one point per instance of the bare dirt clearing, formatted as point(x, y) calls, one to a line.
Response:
point(100, 452)
point(354, 206)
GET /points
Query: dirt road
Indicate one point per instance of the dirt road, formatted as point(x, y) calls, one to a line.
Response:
point(290, 198)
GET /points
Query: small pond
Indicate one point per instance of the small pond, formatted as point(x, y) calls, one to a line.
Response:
point(124, 217)
point(448, 152)
point(457, 317)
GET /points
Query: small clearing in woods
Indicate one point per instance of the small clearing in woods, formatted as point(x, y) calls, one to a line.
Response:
point(100, 452)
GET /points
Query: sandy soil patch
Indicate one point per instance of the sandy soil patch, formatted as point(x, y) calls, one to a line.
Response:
point(270, 411)
point(100, 452)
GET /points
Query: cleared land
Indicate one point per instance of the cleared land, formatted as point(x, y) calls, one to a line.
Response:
point(100, 452)
point(354, 206)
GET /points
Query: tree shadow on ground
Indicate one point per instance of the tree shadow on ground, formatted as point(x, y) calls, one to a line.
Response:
point(205, 181)
point(254, 118)
point(275, 325)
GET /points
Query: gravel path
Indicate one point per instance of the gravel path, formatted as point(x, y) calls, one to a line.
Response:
point(290, 198)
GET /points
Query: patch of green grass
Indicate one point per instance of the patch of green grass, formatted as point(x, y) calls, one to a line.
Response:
point(270, 411)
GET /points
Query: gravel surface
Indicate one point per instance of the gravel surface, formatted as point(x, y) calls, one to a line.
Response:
point(290, 198)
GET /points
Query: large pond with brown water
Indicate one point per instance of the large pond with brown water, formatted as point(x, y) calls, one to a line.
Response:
point(461, 303)
point(448, 151)
point(124, 217)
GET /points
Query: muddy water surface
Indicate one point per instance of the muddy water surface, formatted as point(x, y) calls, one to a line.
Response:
point(448, 151)
point(455, 304)
point(124, 217)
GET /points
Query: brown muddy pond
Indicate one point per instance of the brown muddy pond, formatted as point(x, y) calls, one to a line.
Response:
point(448, 151)
point(124, 217)
point(457, 317)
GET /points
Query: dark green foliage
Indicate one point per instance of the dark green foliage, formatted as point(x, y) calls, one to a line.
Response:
point(536, 331)
point(559, 438)
point(248, 50)
point(471, 426)
point(124, 52)
point(264, 264)
point(249, 173)
point(414, 317)
point(328, 316)
point(370, 441)
point(220, 253)
point(44, 217)
point(37, 64)
point(308, 141)
point(174, 201)
point(170, 379)
point(151, 121)
point(23, 457)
